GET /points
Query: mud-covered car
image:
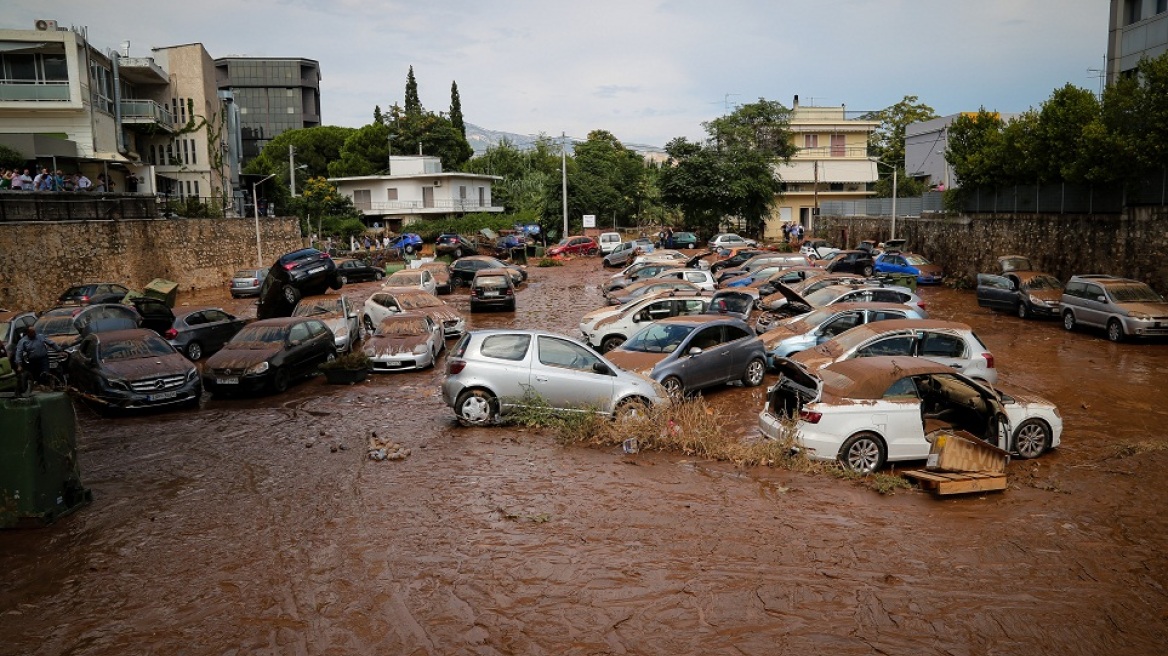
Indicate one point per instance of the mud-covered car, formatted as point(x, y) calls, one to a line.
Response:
point(455, 245)
point(132, 369)
point(269, 355)
point(56, 325)
point(859, 262)
point(490, 373)
point(818, 326)
point(626, 251)
point(578, 245)
point(609, 327)
point(404, 342)
point(405, 299)
point(338, 313)
point(441, 273)
point(1020, 289)
point(911, 264)
point(636, 273)
point(650, 286)
point(246, 282)
point(463, 271)
point(871, 411)
point(354, 270)
point(306, 272)
point(93, 292)
point(196, 332)
point(1122, 306)
point(689, 353)
point(492, 289)
point(421, 279)
point(831, 294)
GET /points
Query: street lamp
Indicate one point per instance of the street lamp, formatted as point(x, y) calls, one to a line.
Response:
point(255, 206)
point(894, 170)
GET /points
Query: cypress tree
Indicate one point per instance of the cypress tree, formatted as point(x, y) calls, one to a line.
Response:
point(456, 110)
point(377, 115)
point(413, 105)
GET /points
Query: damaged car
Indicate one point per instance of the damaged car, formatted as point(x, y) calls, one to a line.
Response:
point(132, 369)
point(867, 412)
point(818, 326)
point(404, 342)
point(404, 299)
point(269, 355)
point(1020, 289)
point(306, 272)
point(338, 313)
point(609, 327)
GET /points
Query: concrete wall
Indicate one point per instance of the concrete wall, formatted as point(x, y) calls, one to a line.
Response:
point(38, 261)
point(1133, 245)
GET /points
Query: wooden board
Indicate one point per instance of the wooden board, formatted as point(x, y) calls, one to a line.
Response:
point(945, 483)
point(953, 451)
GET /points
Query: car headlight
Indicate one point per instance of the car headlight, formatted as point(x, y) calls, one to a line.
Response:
point(119, 384)
point(420, 349)
point(1144, 316)
point(257, 368)
point(192, 374)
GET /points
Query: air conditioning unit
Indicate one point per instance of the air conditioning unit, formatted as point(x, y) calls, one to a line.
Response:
point(437, 183)
point(45, 25)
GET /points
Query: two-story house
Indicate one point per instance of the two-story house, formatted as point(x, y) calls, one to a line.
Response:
point(831, 164)
point(417, 189)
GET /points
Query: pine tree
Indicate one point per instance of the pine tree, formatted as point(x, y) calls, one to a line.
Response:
point(378, 117)
point(456, 110)
point(413, 105)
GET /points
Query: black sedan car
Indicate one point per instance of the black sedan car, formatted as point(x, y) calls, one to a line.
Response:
point(269, 354)
point(196, 332)
point(305, 272)
point(358, 271)
point(93, 292)
point(462, 271)
point(859, 262)
point(132, 369)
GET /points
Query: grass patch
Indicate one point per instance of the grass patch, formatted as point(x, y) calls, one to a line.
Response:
point(549, 262)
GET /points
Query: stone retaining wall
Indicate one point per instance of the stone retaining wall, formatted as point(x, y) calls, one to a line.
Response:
point(1132, 245)
point(40, 260)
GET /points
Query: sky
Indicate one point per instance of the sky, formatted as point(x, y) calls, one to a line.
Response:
point(645, 70)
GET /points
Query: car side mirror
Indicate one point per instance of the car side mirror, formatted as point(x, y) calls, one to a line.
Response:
point(601, 368)
point(294, 342)
point(643, 315)
point(1101, 298)
point(694, 351)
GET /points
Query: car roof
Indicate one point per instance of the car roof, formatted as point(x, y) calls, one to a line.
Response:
point(870, 378)
point(9, 315)
point(402, 291)
point(880, 327)
point(1107, 280)
point(493, 272)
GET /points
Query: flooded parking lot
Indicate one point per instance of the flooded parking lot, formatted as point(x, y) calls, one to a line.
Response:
point(259, 526)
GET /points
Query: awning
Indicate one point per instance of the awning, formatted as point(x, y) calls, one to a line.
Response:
point(32, 146)
point(855, 171)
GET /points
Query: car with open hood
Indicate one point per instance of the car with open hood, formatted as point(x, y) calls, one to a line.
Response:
point(609, 327)
point(269, 354)
point(404, 342)
point(1122, 306)
point(690, 353)
point(1020, 289)
point(649, 286)
point(132, 369)
point(56, 325)
point(490, 373)
point(338, 313)
point(862, 292)
point(389, 301)
point(867, 412)
point(306, 272)
point(818, 249)
point(949, 343)
point(806, 331)
point(441, 272)
point(859, 262)
point(199, 331)
point(421, 279)
point(636, 273)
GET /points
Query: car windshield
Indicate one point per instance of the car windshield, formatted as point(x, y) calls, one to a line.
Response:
point(259, 335)
point(405, 279)
point(916, 260)
point(316, 307)
point(658, 338)
point(1134, 293)
point(563, 242)
point(1042, 282)
point(822, 296)
point(415, 301)
point(53, 326)
point(137, 347)
point(402, 327)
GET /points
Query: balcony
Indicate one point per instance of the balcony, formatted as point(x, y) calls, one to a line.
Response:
point(20, 90)
point(147, 116)
point(829, 152)
point(437, 206)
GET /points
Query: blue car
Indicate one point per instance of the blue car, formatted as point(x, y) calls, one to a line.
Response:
point(925, 271)
point(409, 243)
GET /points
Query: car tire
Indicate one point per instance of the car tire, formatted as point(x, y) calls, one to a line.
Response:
point(194, 351)
point(378, 275)
point(337, 282)
point(1023, 310)
point(477, 407)
point(867, 272)
point(457, 253)
point(1069, 320)
point(280, 380)
point(612, 341)
point(591, 252)
point(367, 323)
point(633, 406)
point(755, 371)
point(291, 294)
point(512, 307)
point(863, 453)
point(1032, 438)
point(674, 388)
point(1115, 331)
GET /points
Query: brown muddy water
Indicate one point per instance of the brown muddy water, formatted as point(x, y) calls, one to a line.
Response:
point(259, 526)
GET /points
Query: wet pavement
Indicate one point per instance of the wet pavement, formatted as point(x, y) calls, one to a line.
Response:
point(259, 526)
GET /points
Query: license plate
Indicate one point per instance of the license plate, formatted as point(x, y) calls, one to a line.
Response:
point(227, 381)
point(316, 269)
point(490, 294)
point(161, 396)
point(391, 365)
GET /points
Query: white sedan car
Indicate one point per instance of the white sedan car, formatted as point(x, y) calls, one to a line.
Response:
point(700, 278)
point(405, 299)
point(871, 411)
point(421, 279)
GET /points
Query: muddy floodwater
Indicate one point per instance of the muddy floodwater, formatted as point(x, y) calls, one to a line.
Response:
point(259, 526)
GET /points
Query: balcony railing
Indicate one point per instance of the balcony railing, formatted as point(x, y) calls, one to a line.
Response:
point(826, 152)
point(14, 90)
point(438, 205)
point(146, 112)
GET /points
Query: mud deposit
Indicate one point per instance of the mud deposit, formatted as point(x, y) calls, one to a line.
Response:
point(259, 526)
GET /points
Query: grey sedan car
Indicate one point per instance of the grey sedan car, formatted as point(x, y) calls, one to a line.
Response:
point(492, 372)
point(247, 282)
point(686, 354)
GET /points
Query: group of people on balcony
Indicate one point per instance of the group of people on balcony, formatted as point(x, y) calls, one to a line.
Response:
point(46, 180)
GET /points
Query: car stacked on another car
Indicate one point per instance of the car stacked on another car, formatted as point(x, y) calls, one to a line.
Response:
point(1122, 306)
point(700, 278)
point(196, 331)
point(689, 353)
point(132, 369)
point(269, 355)
point(870, 411)
point(405, 341)
point(492, 288)
point(247, 282)
point(306, 272)
point(406, 299)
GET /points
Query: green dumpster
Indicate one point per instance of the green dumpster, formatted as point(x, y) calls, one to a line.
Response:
point(163, 290)
point(40, 479)
point(519, 255)
point(900, 279)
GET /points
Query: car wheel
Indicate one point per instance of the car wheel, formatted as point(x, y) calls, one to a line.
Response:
point(457, 253)
point(863, 453)
point(867, 272)
point(291, 294)
point(378, 275)
point(609, 343)
point(632, 407)
point(755, 371)
point(1069, 320)
point(332, 355)
point(1032, 438)
point(674, 388)
point(1023, 310)
point(280, 380)
point(194, 351)
point(409, 249)
point(337, 282)
point(368, 323)
point(1115, 330)
point(592, 252)
point(477, 407)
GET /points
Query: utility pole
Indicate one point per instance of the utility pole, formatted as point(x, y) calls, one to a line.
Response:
point(564, 177)
point(292, 169)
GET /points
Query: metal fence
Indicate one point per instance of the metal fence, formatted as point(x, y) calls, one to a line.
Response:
point(75, 206)
point(929, 202)
point(1065, 198)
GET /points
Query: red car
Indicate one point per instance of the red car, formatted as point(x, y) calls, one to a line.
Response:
point(575, 246)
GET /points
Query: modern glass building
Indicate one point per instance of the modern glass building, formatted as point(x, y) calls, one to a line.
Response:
point(273, 95)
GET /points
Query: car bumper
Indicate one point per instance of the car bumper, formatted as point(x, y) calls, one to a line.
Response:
point(1045, 310)
point(139, 400)
point(245, 291)
point(402, 362)
point(453, 327)
point(1145, 327)
point(220, 383)
point(814, 445)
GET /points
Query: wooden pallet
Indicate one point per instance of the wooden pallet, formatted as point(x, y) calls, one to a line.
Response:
point(945, 483)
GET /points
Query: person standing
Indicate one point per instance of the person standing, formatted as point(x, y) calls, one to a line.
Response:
point(84, 183)
point(32, 355)
point(26, 181)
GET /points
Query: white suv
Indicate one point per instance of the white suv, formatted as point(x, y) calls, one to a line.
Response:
point(608, 328)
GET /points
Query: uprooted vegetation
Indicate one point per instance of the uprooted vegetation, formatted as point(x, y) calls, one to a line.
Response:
point(689, 428)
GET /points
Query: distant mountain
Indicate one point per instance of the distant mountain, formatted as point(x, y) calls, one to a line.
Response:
point(481, 138)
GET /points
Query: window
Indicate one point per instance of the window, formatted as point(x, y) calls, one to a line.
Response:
point(1133, 11)
point(839, 146)
point(707, 338)
point(841, 323)
point(482, 197)
point(811, 141)
point(884, 315)
point(298, 333)
point(943, 346)
point(215, 315)
point(559, 353)
point(888, 296)
point(391, 194)
point(902, 388)
point(362, 199)
point(1161, 6)
point(462, 192)
point(505, 347)
point(902, 345)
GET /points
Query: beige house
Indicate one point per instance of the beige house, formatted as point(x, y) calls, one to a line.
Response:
point(831, 164)
point(417, 189)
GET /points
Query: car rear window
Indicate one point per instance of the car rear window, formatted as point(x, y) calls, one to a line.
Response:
point(491, 281)
point(505, 347)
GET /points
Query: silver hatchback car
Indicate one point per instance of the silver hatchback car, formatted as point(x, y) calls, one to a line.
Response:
point(492, 372)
